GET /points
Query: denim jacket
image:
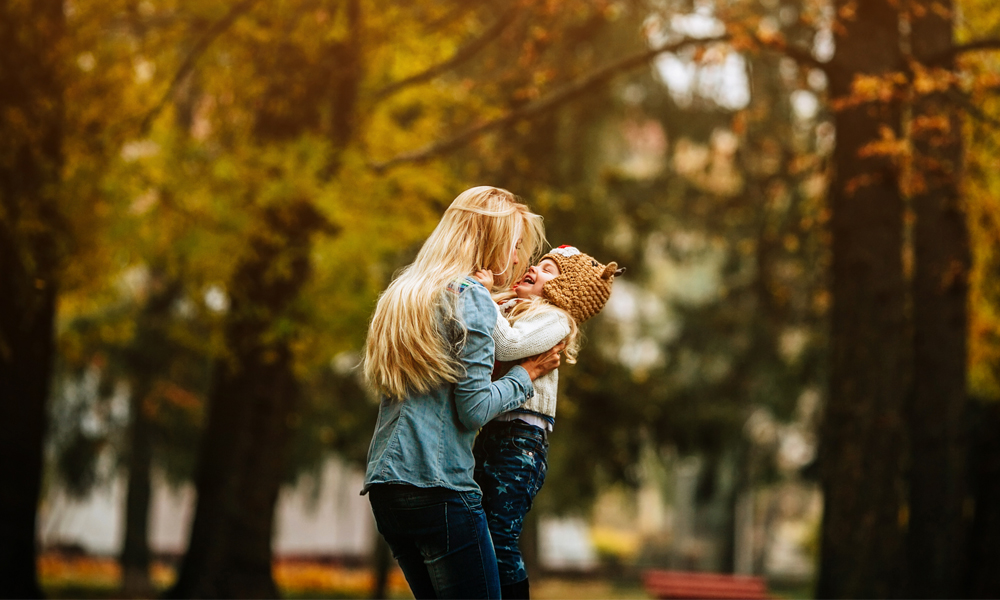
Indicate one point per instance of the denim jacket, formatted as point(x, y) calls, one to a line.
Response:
point(426, 440)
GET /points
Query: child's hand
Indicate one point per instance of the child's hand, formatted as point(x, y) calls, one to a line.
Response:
point(485, 277)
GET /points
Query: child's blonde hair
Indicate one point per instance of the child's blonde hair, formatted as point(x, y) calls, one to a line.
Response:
point(406, 350)
point(537, 305)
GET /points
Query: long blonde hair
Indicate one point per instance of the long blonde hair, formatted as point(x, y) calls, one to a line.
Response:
point(407, 351)
point(535, 306)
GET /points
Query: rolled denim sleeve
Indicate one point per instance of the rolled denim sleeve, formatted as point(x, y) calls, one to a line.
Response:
point(477, 399)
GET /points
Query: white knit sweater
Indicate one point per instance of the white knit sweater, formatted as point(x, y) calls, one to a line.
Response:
point(528, 337)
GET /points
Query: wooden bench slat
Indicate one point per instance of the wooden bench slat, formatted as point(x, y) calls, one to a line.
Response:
point(705, 587)
point(739, 584)
point(748, 589)
point(708, 594)
point(681, 584)
point(658, 574)
point(708, 590)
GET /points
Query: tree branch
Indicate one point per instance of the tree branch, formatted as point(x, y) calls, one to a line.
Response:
point(800, 55)
point(456, 11)
point(461, 55)
point(974, 111)
point(189, 61)
point(960, 49)
point(561, 96)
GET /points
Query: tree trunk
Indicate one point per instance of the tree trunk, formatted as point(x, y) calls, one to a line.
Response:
point(146, 361)
point(862, 432)
point(940, 293)
point(31, 133)
point(982, 575)
point(251, 407)
point(134, 556)
point(382, 563)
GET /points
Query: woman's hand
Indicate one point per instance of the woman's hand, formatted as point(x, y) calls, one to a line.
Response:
point(543, 363)
point(485, 277)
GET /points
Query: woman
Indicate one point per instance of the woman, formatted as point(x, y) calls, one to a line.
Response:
point(429, 354)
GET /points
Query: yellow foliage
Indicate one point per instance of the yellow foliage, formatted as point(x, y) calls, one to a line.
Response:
point(618, 543)
point(296, 577)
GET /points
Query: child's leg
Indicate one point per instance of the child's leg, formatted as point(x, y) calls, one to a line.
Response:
point(510, 469)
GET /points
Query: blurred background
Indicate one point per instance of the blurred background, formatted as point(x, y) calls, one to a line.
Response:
point(797, 379)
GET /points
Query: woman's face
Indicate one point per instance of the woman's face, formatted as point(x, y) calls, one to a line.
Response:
point(536, 278)
point(512, 260)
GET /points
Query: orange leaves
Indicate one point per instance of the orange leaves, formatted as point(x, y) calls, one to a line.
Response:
point(861, 181)
point(297, 577)
point(922, 124)
point(888, 144)
point(941, 10)
point(740, 37)
point(873, 89)
point(914, 169)
point(983, 84)
point(59, 571)
point(174, 395)
point(920, 10)
point(898, 86)
point(848, 12)
point(931, 80)
point(308, 578)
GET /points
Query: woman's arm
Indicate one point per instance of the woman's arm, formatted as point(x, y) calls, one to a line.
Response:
point(529, 336)
point(477, 399)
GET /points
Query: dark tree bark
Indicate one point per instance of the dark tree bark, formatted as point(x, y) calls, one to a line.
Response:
point(251, 403)
point(940, 294)
point(145, 361)
point(134, 556)
point(255, 392)
point(31, 133)
point(382, 563)
point(861, 437)
point(982, 576)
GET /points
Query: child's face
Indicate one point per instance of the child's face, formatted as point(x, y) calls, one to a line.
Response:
point(536, 277)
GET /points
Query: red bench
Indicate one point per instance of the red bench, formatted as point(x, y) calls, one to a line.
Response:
point(680, 584)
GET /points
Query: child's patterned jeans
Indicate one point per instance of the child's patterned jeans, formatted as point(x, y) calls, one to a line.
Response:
point(510, 469)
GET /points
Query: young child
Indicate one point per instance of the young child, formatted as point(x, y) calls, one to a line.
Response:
point(544, 308)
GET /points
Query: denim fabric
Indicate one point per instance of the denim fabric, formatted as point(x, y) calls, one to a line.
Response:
point(510, 469)
point(440, 539)
point(426, 439)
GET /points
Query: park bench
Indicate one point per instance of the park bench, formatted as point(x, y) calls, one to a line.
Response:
point(680, 584)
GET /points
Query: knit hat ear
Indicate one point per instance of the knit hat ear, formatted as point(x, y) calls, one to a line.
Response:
point(610, 271)
point(583, 285)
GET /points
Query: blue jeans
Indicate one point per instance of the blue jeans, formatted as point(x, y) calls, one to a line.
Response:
point(440, 539)
point(510, 469)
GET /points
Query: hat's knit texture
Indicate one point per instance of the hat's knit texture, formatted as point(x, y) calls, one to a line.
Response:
point(583, 285)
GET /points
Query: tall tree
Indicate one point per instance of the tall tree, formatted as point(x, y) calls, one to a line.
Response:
point(862, 433)
point(936, 417)
point(146, 363)
point(982, 205)
point(31, 158)
point(254, 394)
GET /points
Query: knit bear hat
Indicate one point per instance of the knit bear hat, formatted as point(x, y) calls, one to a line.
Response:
point(583, 285)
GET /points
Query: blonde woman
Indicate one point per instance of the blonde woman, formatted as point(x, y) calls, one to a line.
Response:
point(430, 354)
